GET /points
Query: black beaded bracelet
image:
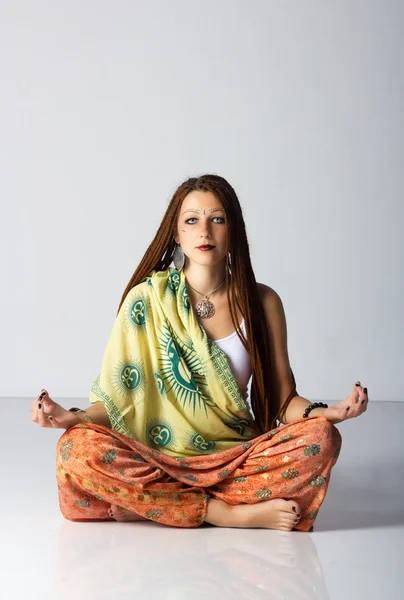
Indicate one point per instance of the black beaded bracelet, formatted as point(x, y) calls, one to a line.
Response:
point(312, 406)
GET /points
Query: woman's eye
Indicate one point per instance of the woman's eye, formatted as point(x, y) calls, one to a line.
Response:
point(194, 218)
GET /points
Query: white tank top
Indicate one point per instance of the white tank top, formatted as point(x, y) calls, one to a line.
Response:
point(239, 360)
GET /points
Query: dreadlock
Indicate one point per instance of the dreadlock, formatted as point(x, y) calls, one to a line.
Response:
point(241, 285)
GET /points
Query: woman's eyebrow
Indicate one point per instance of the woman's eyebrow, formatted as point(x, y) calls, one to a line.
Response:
point(197, 210)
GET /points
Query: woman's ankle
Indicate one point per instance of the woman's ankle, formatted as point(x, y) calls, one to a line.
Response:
point(220, 513)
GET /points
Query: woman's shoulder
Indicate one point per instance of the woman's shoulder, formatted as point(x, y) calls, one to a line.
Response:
point(137, 292)
point(270, 299)
point(265, 291)
point(156, 280)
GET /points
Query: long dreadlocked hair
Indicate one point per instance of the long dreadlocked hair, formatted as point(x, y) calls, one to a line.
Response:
point(242, 290)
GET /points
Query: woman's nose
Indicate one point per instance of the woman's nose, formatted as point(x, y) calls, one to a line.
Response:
point(205, 230)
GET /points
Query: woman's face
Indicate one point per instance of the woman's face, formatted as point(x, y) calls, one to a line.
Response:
point(202, 221)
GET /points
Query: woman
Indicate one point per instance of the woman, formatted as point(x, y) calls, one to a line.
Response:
point(171, 435)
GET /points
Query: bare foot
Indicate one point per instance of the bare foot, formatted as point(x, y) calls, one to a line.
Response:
point(271, 514)
point(121, 514)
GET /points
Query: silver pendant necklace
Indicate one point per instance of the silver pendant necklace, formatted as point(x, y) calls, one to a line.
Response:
point(205, 308)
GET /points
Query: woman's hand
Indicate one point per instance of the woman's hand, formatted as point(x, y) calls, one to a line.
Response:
point(47, 413)
point(354, 405)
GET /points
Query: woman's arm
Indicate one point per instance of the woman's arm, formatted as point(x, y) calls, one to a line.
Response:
point(97, 413)
point(281, 371)
point(296, 408)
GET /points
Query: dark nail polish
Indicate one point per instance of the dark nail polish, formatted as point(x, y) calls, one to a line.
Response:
point(347, 408)
point(357, 384)
point(39, 405)
point(293, 508)
point(363, 402)
point(365, 390)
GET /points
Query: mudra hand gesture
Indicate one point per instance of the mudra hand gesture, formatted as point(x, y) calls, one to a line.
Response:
point(354, 405)
point(48, 413)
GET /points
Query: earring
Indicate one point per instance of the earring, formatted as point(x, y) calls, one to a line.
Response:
point(179, 258)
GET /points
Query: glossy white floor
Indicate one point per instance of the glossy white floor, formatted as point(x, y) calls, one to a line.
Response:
point(356, 550)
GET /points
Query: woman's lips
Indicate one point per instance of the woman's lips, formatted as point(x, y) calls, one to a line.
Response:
point(206, 248)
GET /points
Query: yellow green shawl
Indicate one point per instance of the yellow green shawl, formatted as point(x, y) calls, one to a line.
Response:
point(163, 382)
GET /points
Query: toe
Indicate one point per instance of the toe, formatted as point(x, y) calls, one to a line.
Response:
point(294, 507)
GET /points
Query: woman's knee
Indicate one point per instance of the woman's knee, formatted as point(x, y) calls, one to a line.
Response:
point(321, 427)
point(72, 442)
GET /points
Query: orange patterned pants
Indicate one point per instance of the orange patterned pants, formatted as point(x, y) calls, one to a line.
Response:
point(97, 466)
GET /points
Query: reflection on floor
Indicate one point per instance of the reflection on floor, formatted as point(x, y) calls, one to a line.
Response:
point(354, 551)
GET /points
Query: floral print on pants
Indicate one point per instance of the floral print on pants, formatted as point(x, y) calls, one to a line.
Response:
point(97, 466)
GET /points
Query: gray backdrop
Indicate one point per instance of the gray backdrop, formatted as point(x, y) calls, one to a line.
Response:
point(106, 107)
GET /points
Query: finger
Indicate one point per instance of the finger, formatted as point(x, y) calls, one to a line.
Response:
point(48, 409)
point(359, 406)
point(358, 389)
point(353, 406)
point(35, 402)
point(35, 407)
point(53, 421)
point(42, 418)
point(365, 396)
point(48, 406)
point(34, 412)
